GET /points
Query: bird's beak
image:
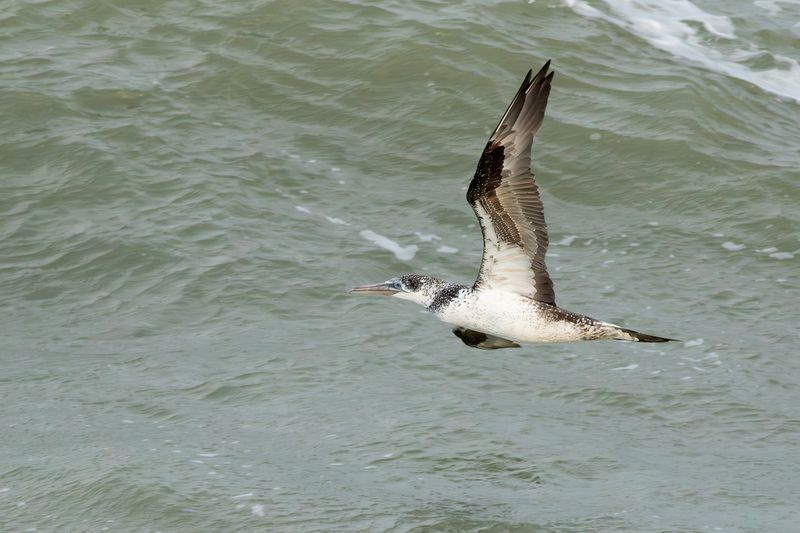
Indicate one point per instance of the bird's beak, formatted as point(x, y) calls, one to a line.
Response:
point(380, 289)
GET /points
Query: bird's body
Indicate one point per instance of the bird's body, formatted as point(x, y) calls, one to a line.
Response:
point(519, 319)
point(513, 300)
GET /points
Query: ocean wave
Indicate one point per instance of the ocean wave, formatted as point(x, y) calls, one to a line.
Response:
point(682, 29)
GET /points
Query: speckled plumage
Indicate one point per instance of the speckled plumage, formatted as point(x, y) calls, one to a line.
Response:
point(520, 319)
point(512, 300)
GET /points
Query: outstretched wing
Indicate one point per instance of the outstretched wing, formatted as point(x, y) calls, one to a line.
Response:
point(505, 198)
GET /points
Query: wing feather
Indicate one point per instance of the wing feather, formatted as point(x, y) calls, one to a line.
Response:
point(505, 198)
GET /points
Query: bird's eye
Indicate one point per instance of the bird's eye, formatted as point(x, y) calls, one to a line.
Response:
point(397, 285)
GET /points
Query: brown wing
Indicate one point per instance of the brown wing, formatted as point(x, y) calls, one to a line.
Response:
point(505, 198)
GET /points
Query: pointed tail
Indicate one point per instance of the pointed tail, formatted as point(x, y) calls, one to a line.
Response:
point(630, 335)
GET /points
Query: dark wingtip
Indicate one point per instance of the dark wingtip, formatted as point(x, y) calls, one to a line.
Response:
point(544, 71)
point(541, 81)
point(528, 76)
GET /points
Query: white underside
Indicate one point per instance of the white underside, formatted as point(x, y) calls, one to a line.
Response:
point(509, 316)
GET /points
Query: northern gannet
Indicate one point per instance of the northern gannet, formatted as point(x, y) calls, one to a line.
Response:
point(513, 300)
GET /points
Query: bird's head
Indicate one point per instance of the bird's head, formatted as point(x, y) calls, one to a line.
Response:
point(413, 287)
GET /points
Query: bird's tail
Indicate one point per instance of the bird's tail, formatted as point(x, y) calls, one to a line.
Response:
point(623, 334)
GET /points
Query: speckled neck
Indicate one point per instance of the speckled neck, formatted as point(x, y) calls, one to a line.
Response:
point(446, 294)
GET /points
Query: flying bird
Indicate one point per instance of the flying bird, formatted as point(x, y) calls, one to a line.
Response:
point(513, 300)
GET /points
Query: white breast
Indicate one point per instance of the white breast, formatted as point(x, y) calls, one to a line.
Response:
point(508, 315)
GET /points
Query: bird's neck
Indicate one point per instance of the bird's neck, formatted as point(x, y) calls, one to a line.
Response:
point(445, 294)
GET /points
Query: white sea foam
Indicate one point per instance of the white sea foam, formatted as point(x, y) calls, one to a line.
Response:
point(782, 255)
point(427, 237)
point(404, 253)
point(566, 241)
point(257, 509)
point(693, 342)
point(666, 25)
point(770, 6)
point(334, 220)
point(732, 246)
point(447, 250)
point(302, 209)
point(634, 366)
